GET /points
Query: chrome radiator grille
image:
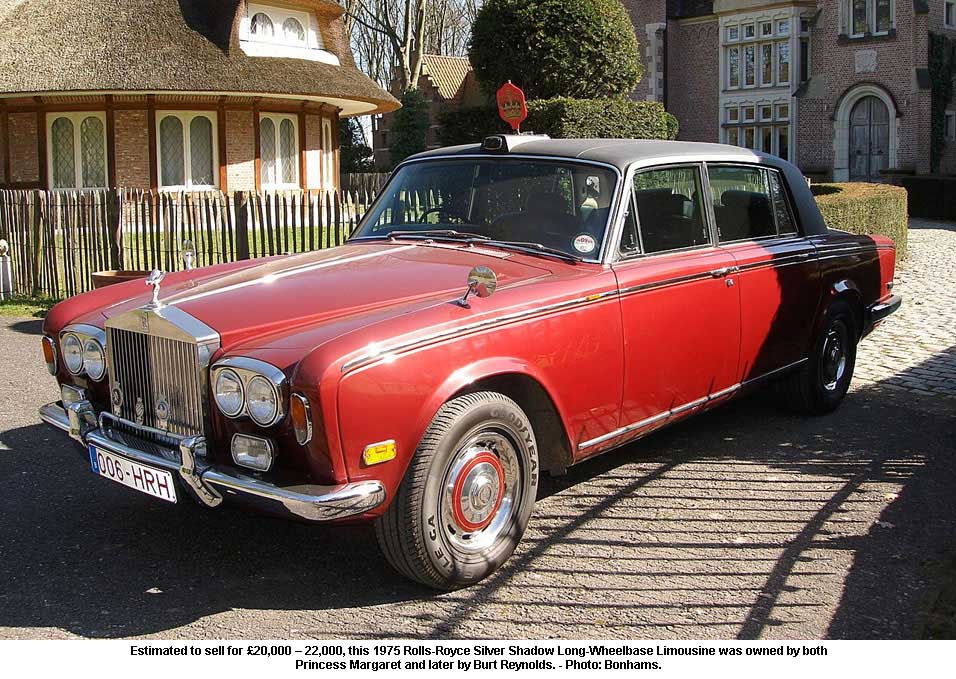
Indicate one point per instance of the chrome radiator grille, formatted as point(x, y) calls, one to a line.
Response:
point(160, 381)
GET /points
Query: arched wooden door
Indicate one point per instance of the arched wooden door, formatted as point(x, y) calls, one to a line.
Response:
point(869, 139)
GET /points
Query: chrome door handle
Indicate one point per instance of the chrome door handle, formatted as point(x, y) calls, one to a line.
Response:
point(720, 273)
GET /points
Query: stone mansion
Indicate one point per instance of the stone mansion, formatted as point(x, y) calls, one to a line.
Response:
point(840, 87)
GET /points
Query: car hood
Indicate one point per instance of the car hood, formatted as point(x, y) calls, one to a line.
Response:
point(276, 296)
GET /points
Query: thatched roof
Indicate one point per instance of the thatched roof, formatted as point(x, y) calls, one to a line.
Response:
point(167, 46)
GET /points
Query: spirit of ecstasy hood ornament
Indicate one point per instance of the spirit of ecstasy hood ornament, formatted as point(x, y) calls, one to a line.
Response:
point(155, 279)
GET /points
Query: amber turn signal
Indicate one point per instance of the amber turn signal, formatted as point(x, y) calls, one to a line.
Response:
point(301, 415)
point(379, 452)
point(49, 354)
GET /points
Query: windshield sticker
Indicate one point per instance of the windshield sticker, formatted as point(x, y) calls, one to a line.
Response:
point(584, 243)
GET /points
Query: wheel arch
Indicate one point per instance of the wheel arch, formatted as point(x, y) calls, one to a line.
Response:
point(848, 291)
point(519, 382)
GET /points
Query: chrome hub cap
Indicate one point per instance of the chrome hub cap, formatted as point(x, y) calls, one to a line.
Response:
point(480, 491)
point(834, 359)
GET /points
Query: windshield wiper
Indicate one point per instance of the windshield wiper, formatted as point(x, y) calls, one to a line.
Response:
point(532, 249)
point(449, 234)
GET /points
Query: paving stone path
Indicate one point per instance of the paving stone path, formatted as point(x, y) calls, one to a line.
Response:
point(915, 350)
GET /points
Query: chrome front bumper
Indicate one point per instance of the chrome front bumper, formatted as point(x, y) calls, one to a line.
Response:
point(209, 483)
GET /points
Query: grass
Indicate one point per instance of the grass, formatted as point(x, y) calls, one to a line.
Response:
point(20, 306)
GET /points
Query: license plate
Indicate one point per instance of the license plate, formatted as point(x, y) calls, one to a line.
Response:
point(149, 480)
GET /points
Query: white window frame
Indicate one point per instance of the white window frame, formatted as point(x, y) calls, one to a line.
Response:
point(277, 119)
point(761, 63)
point(743, 66)
point(949, 5)
point(328, 155)
point(313, 49)
point(77, 118)
point(740, 67)
point(728, 29)
point(186, 118)
point(847, 22)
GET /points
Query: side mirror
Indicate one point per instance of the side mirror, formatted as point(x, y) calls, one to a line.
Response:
point(482, 282)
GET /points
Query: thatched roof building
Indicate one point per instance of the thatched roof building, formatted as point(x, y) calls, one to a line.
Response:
point(146, 93)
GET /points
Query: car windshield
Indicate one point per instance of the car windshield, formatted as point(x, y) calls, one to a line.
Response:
point(544, 205)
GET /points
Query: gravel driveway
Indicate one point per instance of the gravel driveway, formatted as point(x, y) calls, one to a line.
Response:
point(745, 522)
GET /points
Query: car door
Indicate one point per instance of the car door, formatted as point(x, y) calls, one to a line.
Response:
point(779, 282)
point(678, 298)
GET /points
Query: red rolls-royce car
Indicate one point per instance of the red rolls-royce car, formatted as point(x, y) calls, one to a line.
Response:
point(504, 309)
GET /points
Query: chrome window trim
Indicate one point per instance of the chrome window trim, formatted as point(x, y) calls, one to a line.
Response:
point(614, 211)
point(246, 369)
point(639, 167)
point(788, 197)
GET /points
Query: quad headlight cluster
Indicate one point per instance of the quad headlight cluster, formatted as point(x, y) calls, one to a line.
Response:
point(246, 386)
point(83, 348)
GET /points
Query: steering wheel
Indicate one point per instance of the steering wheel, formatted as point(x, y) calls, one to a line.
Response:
point(443, 211)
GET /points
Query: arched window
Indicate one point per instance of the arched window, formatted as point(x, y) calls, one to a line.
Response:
point(261, 26)
point(187, 161)
point(92, 152)
point(172, 151)
point(287, 151)
point(267, 149)
point(293, 30)
point(279, 151)
point(64, 154)
point(200, 151)
point(77, 150)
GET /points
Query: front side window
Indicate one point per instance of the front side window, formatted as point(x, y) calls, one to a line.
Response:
point(187, 150)
point(743, 204)
point(279, 151)
point(670, 211)
point(77, 154)
point(558, 204)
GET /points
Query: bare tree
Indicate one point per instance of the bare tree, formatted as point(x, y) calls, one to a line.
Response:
point(391, 37)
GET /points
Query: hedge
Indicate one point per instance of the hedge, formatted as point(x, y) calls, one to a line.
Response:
point(865, 209)
point(551, 48)
point(565, 118)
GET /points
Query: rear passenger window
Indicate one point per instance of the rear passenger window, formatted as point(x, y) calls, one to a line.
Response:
point(670, 209)
point(743, 205)
point(781, 205)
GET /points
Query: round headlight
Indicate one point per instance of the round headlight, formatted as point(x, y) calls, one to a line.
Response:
point(228, 389)
point(73, 353)
point(262, 401)
point(94, 359)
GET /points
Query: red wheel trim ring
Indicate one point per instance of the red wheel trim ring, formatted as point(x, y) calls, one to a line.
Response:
point(460, 481)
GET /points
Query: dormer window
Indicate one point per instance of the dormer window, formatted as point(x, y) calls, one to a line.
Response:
point(271, 31)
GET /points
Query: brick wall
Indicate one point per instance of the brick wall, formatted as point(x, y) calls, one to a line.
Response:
point(839, 64)
point(132, 149)
point(693, 82)
point(644, 12)
point(240, 151)
point(24, 161)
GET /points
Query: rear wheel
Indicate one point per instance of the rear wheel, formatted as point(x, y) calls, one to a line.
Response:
point(820, 385)
point(467, 495)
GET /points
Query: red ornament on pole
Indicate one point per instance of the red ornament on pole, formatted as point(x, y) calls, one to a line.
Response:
point(512, 105)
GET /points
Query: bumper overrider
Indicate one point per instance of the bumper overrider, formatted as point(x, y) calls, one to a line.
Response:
point(877, 313)
point(211, 484)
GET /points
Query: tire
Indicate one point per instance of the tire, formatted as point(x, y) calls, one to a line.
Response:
point(479, 449)
point(820, 385)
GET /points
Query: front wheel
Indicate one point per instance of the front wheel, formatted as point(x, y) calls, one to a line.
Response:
point(467, 495)
point(820, 385)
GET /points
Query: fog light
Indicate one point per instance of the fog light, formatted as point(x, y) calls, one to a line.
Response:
point(252, 452)
point(70, 394)
point(379, 452)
